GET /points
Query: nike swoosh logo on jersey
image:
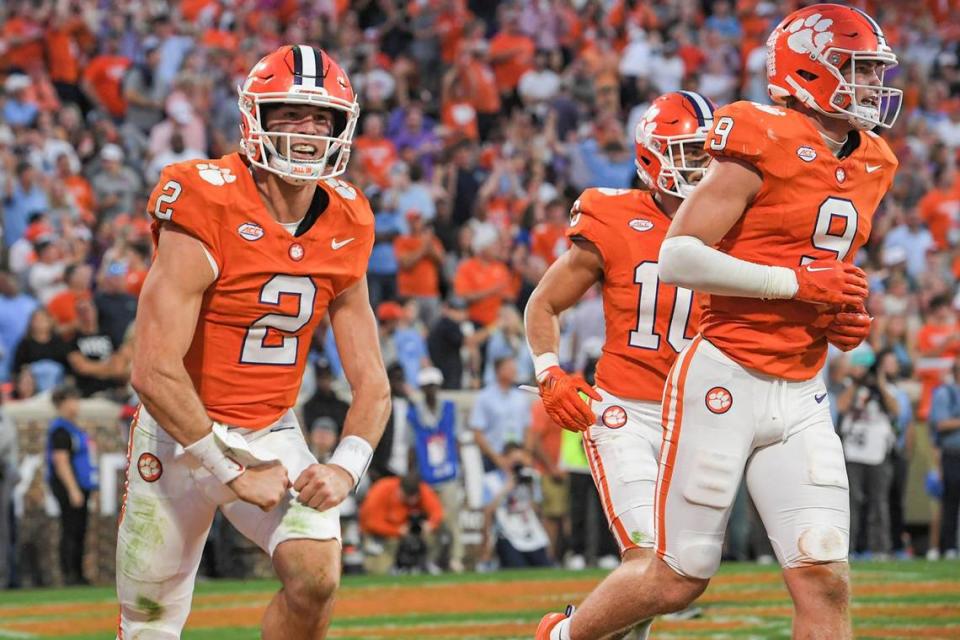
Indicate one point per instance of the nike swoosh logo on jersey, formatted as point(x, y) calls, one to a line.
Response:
point(815, 269)
point(819, 397)
point(871, 167)
point(337, 245)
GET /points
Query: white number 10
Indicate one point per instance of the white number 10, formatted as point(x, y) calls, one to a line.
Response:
point(645, 335)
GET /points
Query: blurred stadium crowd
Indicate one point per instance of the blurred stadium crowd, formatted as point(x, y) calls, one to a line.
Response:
point(481, 122)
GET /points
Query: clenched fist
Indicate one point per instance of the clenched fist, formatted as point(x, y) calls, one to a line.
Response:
point(264, 485)
point(831, 282)
point(323, 486)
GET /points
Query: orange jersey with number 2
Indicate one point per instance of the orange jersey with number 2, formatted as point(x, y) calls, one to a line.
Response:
point(257, 318)
point(647, 322)
point(811, 206)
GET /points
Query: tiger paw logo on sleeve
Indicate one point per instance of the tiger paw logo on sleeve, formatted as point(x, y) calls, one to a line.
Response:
point(217, 176)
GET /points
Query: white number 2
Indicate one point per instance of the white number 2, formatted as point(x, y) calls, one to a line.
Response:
point(645, 335)
point(839, 241)
point(721, 130)
point(254, 349)
point(171, 191)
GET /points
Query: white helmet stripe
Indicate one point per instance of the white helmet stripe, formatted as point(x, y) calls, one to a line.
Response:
point(308, 61)
point(705, 111)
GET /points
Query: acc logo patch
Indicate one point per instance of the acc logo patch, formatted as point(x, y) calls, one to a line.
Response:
point(640, 224)
point(807, 154)
point(296, 252)
point(719, 400)
point(250, 231)
point(150, 467)
point(215, 175)
point(614, 417)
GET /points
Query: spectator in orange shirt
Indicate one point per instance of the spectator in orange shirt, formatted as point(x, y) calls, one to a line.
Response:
point(483, 280)
point(103, 77)
point(79, 188)
point(399, 517)
point(938, 343)
point(471, 80)
point(375, 152)
point(450, 26)
point(63, 36)
point(23, 36)
point(511, 54)
point(419, 258)
point(940, 208)
point(63, 306)
point(138, 263)
point(548, 240)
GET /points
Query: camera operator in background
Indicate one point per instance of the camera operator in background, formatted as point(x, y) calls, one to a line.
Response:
point(868, 409)
point(945, 422)
point(512, 517)
point(398, 518)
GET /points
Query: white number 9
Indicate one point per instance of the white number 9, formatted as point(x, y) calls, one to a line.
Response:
point(721, 130)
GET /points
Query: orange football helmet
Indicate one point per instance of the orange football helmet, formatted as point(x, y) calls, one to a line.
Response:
point(298, 74)
point(814, 48)
point(669, 142)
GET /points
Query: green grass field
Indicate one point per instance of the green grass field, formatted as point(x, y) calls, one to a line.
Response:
point(891, 600)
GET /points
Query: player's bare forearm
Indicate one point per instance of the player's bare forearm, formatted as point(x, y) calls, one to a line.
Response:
point(167, 315)
point(64, 471)
point(355, 330)
point(484, 445)
point(561, 287)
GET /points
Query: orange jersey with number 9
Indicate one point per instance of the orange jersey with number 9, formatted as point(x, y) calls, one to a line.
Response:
point(647, 322)
point(811, 206)
point(257, 318)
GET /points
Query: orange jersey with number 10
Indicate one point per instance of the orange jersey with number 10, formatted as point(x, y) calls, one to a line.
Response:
point(811, 206)
point(647, 322)
point(257, 319)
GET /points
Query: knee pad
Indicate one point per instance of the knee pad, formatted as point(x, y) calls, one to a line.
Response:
point(822, 543)
point(700, 556)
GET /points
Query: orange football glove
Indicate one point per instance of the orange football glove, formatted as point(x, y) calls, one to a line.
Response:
point(561, 398)
point(848, 329)
point(831, 282)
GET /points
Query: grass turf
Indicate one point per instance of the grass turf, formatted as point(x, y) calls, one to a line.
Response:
point(891, 600)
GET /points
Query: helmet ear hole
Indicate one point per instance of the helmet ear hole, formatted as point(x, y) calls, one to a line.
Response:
point(339, 124)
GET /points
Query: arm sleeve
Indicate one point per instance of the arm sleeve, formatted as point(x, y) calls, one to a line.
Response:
point(60, 440)
point(687, 262)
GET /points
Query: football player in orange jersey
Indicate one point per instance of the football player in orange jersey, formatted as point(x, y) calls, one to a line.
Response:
point(252, 250)
point(770, 234)
point(616, 241)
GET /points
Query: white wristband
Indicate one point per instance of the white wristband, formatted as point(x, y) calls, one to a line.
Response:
point(214, 459)
point(543, 362)
point(353, 454)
